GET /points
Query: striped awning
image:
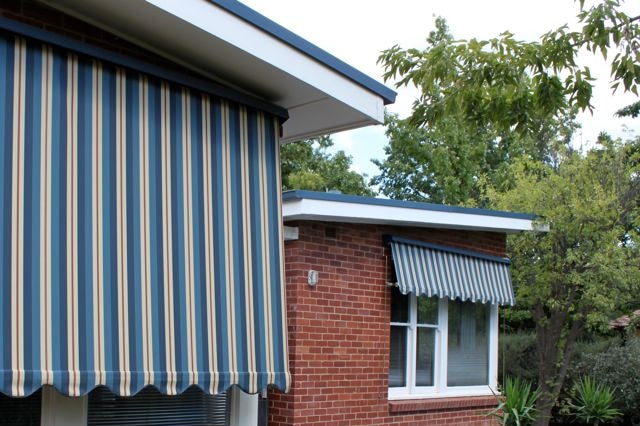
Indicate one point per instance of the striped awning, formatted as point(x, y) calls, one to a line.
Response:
point(140, 232)
point(440, 271)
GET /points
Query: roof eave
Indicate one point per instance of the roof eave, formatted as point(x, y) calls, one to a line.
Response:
point(306, 205)
point(235, 46)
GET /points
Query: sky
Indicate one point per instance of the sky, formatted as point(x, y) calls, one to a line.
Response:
point(356, 31)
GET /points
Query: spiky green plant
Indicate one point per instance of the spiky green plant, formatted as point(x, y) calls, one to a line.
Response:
point(592, 402)
point(517, 406)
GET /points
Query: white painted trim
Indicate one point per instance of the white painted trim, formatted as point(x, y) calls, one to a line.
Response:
point(335, 211)
point(60, 410)
point(225, 26)
point(220, 45)
point(243, 409)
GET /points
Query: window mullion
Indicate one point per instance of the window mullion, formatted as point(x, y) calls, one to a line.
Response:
point(411, 367)
point(443, 321)
point(493, 348)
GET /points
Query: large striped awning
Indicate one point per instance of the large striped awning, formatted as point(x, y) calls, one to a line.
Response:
point(140, 231)
point(440, 271)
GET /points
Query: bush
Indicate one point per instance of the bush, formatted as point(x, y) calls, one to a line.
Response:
point(592, 402)
point(518, 356)
point(618, 368)
point(518, 404)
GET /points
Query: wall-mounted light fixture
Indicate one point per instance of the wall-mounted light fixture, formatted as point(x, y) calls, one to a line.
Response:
point(312, 277)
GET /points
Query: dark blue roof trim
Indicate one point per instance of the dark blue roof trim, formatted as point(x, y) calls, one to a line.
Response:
point(341, 198)
point(402, 240)
point(138, 65)
point(251, 16)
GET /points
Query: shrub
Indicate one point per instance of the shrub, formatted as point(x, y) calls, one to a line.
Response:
point(518, 356)
point(518, 404)
point(618, 368)
point(592, 402)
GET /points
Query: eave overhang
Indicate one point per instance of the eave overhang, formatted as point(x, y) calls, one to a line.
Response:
point(308, 205)
point(232, 44)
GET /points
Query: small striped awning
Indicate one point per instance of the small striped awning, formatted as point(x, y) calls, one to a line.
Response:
point(140, 232)
point(440, 271)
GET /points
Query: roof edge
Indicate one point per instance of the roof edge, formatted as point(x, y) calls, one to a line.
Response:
point(118, 59)
point(299, 194)
point(249, 15)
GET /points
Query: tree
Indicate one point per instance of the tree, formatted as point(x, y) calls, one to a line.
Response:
point(588, 263)
point(632, 110)
point(444, 163)
point(512, 85)
point(441, 161)
point(501, 93)
point(308, 165)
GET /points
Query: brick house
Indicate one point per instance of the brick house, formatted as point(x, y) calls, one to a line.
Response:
point(364, 353)
point(141, 263)
point(141, 258)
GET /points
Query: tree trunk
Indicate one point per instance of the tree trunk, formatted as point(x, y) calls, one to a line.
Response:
point(556, 340)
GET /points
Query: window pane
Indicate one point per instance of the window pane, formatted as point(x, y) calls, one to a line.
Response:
point(425, 356)
point(399, 306)
point(398, 357)
point(468, 347)
point(427, 310)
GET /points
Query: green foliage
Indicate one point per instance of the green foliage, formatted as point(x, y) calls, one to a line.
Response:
point(632, 110)
point(444, 160)
point(309, 165)
point(513, 85)
point(518, 356)
point(617, 367)
point(426, 165)
point(491, 128)
point(587, 264)
point(593, 402)
point(518, 404)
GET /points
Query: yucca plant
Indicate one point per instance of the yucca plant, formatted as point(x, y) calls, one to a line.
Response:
point(517, 405)
point(593, 402)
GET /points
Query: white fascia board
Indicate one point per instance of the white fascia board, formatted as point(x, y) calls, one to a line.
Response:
point(225, 26)
point(334, 211)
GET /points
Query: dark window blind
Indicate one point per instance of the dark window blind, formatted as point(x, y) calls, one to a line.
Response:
point(21, 411)
point(151, 408)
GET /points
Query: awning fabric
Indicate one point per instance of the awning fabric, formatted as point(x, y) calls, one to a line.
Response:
point(440, 271)
point(140, 232)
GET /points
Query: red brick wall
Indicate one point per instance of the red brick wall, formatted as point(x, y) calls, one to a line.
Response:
point(339, 329)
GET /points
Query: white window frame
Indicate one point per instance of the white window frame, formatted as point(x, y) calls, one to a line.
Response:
point(440, 388)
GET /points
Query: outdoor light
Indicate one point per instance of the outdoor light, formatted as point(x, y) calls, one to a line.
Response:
point(312, 278)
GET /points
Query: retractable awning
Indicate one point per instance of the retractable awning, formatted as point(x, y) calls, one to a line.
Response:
point(140, 231)
point(441, 271)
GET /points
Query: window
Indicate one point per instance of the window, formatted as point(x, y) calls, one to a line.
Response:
point(23, 411)
point(441, 347)
point(149, 407)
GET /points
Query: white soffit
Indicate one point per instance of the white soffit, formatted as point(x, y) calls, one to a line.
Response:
point(211, 40)
point(337, 211)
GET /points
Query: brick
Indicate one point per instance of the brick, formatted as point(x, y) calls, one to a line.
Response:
point(339, 330)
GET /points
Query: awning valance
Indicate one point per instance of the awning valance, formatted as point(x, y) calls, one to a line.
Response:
point(440, 271)
point(140, 232)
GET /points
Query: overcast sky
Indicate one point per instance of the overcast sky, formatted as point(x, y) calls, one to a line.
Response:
point(357, 30)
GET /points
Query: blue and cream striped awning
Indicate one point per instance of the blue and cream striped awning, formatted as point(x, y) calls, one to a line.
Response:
point(140, 231)
point(440, 271)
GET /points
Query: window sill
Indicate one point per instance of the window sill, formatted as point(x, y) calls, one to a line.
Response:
point(437, 404)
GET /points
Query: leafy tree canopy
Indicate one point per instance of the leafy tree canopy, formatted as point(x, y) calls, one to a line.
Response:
point(442, 161)
point(309, 165)
point(588, 263)
point(511, 84)
point(492, 127)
